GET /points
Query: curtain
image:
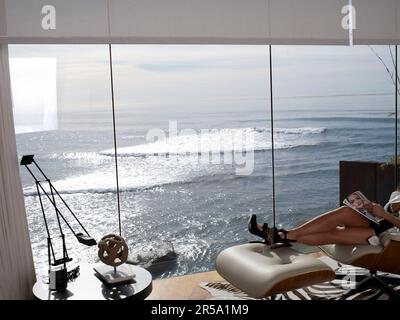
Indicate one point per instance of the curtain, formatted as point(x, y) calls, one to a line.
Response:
point(17, 274)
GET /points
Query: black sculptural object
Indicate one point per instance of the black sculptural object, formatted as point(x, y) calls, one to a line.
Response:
point(57, 278)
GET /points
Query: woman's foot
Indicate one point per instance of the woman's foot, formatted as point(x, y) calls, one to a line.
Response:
point(282, 237)
point(276, 238)
point(284, 234)
point(272, 236)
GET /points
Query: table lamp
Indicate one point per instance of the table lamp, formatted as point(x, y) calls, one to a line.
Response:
point(58, 274)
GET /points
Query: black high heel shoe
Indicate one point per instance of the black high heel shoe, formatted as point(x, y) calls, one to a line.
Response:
point(277, 241)
point(253, 228)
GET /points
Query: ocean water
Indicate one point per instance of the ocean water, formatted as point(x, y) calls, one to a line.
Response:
point(170, 198)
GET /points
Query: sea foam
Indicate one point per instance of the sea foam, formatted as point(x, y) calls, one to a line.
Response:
point(144, 166)
point(222, 141)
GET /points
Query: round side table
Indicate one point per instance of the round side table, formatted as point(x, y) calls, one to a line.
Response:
point(89, 287)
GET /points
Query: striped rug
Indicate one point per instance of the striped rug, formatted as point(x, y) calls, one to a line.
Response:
point(333, 290)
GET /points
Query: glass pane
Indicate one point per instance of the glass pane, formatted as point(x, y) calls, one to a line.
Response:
point(332, 104)
point(397, 159)
point(181, 111)
point(62, 108)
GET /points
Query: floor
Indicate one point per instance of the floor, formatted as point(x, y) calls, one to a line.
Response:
point(183, 287)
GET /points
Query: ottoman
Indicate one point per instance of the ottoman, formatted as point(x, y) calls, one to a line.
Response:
point(259, 271)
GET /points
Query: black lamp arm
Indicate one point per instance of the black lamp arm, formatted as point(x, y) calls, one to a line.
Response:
point(38, 185)
point(82, 238)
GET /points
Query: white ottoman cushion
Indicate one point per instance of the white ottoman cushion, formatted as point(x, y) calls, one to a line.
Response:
point(259, 271)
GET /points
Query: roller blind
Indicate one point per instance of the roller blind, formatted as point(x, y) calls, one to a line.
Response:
point(198, 21)
point(377, 22)
point(307, 22)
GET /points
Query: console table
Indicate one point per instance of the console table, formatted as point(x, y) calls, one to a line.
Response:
point(89, 287)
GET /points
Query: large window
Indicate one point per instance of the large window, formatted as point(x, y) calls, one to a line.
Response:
point(70, 131)
point(332, 104)
point(193, 137)
point(183, 116)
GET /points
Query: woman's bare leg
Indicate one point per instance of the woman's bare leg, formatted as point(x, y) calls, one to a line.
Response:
point(328, 222)
point(355, 235)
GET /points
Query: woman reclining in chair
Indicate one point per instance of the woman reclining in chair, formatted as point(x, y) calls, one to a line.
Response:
point(340, 226)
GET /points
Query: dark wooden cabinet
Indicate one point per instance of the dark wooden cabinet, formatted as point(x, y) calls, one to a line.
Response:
point(376, 180)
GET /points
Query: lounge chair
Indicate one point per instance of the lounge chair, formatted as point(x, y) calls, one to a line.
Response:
point(260, 271)
point(381, 258)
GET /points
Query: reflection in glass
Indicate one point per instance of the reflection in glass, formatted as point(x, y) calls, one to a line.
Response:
point(34, 102)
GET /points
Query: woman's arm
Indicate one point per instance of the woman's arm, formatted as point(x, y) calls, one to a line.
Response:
point(377, 210)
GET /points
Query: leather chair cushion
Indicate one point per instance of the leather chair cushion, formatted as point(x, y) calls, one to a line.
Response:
point(349, 253)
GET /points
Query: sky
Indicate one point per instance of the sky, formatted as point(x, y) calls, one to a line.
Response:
point(147, 76)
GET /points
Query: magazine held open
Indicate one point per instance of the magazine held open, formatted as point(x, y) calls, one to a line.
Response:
point(357, 201)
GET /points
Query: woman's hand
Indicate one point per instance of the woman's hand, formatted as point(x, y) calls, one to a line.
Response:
point(376, 209)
